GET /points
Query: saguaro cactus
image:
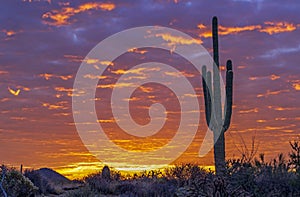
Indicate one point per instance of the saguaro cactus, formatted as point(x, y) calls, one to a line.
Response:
point(218, 120)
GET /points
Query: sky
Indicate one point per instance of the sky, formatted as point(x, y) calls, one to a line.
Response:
point(44, 42)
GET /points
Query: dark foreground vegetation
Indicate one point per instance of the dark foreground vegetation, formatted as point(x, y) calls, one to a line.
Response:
point(243, 177)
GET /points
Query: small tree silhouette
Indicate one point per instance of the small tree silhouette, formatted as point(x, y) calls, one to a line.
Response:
point(295, 155)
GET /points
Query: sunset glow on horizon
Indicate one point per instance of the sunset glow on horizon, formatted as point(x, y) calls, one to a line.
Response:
point(43, 46)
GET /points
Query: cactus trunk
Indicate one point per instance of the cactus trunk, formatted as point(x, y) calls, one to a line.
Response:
point(218, 119)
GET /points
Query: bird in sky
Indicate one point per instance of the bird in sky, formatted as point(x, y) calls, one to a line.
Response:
point(14, 92)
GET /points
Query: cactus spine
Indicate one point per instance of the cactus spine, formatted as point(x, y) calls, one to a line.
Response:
point(218, 120)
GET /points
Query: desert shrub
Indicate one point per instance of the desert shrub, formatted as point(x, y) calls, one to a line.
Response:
point(85, 191)
point(17, 185)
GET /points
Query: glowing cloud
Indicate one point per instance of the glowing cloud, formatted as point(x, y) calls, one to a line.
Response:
point(9, 32)
point(48, 76)
point(14, 92)
point(274, 77)
point(228, 30)
point(59, 105)
point(234, 30)
point(269, 93)
point(62, 16)
point(296, 84)
point(178, 40)
point(278, 27)
point(268, 27)
point(254, 110)
point(139, 51)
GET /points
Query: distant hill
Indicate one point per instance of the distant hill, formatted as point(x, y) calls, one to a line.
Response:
point(52, 176)
point(50, 182)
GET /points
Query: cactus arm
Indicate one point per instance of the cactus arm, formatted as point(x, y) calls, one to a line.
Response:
point(207, 98)
point(229, 95)
point(212, 118)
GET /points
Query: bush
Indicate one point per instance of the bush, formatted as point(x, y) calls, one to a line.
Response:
point(17, 185)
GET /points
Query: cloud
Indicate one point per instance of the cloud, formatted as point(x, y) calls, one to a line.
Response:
point(9, 33)
point(178, 40)
point(254, 110)
point(69, 91)
point(31, 1)
point(273, 77)
point(59, 105)
point(269, 93)
point(136, 50)
point(282, 50)
point(117, 85)
point(228, 30)
point(74, 58)
point(268, 27)
point(95, 61)
point(2, 72)
point(278, 27)
point(146, 89)
point(90, 76)
point(296, 84)
point(62, 16)
point(14, 92)
point(105, 121)
point(278, 108)
point(48, 76)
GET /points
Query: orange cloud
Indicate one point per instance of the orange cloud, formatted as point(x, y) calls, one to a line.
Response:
point(117, 85)
point(69, 91)
point(63, 89)
point(296, 84)
point(14, 92)
point(274, 77)
point(95, 61)
point(253, 78)
point(261, 121)
point(66, 77)
point(234, 30)
point(278, 27)
point(229, 30)
point(62, 16)
point(146, 89)
point(59, 105)
point(139, 51)
point(255, 110)
point(137, 71)
point(178, 40)
point(46, 76)
point(268, 93)
point(89, 76)
point(49, 76)
point(105, 121)
point(201, 26)
point(10, 33)
point(278, 108)
point(268, 27)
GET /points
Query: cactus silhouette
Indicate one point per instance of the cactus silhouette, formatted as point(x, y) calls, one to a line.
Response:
point(218, 120)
